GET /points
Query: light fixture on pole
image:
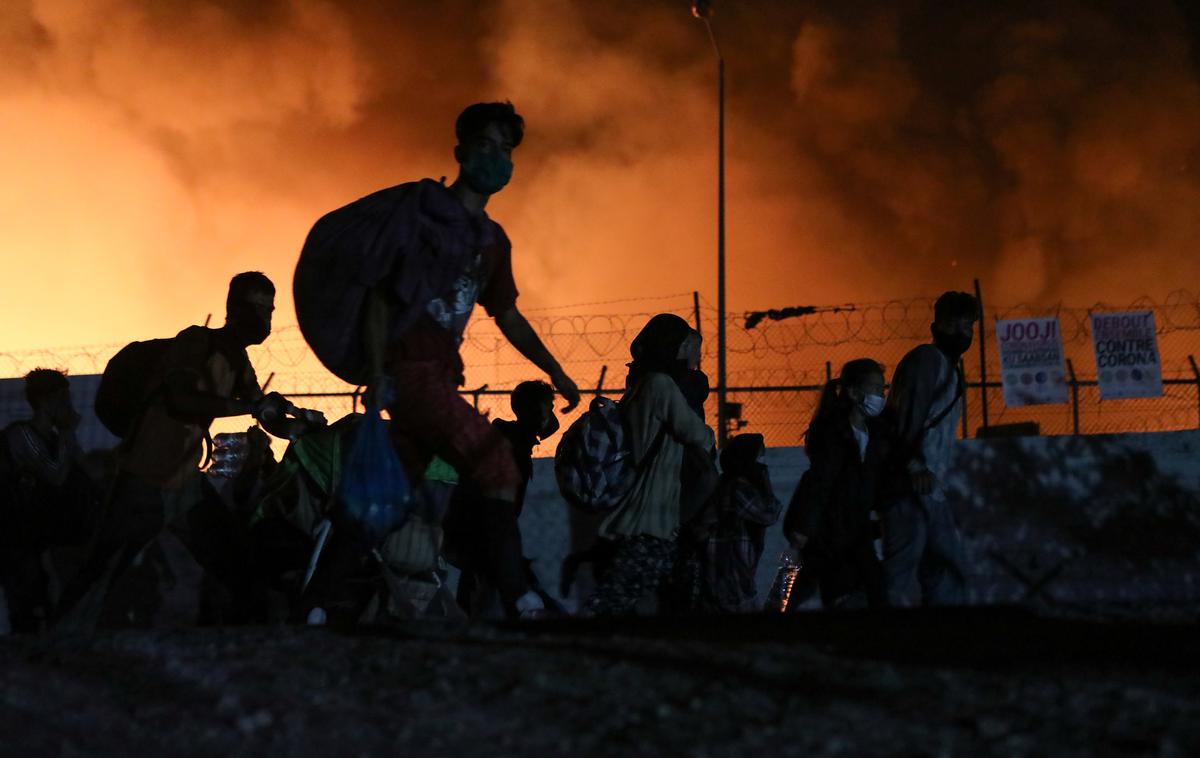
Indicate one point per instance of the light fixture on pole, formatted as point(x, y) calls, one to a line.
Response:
point(702, 9)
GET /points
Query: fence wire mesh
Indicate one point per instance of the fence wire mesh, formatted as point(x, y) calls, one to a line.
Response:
point(776, 367)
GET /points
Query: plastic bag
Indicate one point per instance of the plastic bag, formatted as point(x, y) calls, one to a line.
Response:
point(374, 491)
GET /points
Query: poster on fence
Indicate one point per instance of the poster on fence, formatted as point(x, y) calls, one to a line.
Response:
point(1127, 359)
point(1031, 361)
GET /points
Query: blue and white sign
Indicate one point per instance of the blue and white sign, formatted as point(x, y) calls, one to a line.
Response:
point(1031, 361)
point(1127, 360)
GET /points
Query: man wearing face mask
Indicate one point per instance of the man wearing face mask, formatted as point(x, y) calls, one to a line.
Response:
point(386, 286)
point(201, 375)
point(923, 553)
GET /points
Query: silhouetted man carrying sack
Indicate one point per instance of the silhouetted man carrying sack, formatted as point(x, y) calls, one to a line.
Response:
point(385, 288)
point(161, 397)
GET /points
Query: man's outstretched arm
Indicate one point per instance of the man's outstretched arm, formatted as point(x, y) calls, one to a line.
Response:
point(516, 330)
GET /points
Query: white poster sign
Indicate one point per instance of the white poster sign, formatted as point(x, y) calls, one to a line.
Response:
point(1031, 361)
point(1127, 359)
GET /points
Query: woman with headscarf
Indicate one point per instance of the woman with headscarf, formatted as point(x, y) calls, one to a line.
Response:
point(661, 424)
point(742, 508)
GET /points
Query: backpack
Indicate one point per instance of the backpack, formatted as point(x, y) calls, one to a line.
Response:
point(594, 463)
point(134, 376)
point(127, 384)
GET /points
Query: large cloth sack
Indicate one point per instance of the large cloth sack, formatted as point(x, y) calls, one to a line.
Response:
point(388, 240)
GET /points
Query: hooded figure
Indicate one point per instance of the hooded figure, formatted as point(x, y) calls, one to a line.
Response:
point(669, 345)
point(661, 425)
point(744, 505)
point(656, 347)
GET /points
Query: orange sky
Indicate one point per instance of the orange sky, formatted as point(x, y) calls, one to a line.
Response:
point(149, 150)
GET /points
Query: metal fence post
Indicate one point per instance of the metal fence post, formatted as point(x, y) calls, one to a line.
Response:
point(1196, 373)
point(966, 426)
point(477, 393)
point(1074, 394)
point(983, 398)
point(828, 372)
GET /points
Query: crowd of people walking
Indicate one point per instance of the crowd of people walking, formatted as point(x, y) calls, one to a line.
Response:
point(346, 528)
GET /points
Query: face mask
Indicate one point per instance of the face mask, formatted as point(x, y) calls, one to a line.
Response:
point(694, 385)
point(486, 173)
point(250, 327)
point(549, 428)
point(953, 345)
point(872, 405)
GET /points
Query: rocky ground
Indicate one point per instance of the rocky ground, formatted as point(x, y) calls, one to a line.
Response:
point(910, 684)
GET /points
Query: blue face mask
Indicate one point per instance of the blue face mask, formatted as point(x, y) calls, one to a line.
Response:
point(486, 173)
point(872, 405)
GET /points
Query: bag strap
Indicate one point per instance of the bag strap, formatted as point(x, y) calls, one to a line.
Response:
point(652, 451)
point(239, 369)
point(160, 391)
point(932, 424)
point(135, 427)
point(959, 389)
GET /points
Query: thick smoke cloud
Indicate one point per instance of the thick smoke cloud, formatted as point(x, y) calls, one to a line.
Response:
point(1053, 153)
point(149, 148)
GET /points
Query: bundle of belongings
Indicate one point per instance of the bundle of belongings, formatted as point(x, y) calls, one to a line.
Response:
point(312, 557)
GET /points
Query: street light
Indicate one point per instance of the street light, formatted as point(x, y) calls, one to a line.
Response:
point(702, 9)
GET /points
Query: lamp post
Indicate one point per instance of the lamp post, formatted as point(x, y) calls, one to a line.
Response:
point(702, 9)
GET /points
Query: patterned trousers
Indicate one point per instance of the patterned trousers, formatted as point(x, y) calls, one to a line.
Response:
point(642, 565)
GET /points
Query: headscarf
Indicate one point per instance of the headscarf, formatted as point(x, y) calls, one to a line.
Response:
point(656, 347)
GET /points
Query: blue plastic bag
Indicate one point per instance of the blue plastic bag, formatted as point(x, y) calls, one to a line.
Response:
point(374, 491)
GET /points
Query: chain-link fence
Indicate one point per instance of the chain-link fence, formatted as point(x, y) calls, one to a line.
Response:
point(776, 367)
point(804, 350)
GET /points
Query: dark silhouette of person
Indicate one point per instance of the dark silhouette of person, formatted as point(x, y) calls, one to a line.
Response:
point(662, 425)
point(743, 506)
point(204, 375)
point(49, 500)
point(923, 557)
point(481, 551)
point(386, 286)
point(830, 516)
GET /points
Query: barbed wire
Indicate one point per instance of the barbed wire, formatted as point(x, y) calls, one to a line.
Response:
point(800, 353)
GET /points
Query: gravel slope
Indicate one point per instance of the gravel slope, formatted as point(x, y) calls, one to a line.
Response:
point(841, 686)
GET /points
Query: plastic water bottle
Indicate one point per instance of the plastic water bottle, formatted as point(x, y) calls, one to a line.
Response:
point(229, 454)
point(785, 580)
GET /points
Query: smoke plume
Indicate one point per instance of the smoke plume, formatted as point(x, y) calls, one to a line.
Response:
point(149, 149)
